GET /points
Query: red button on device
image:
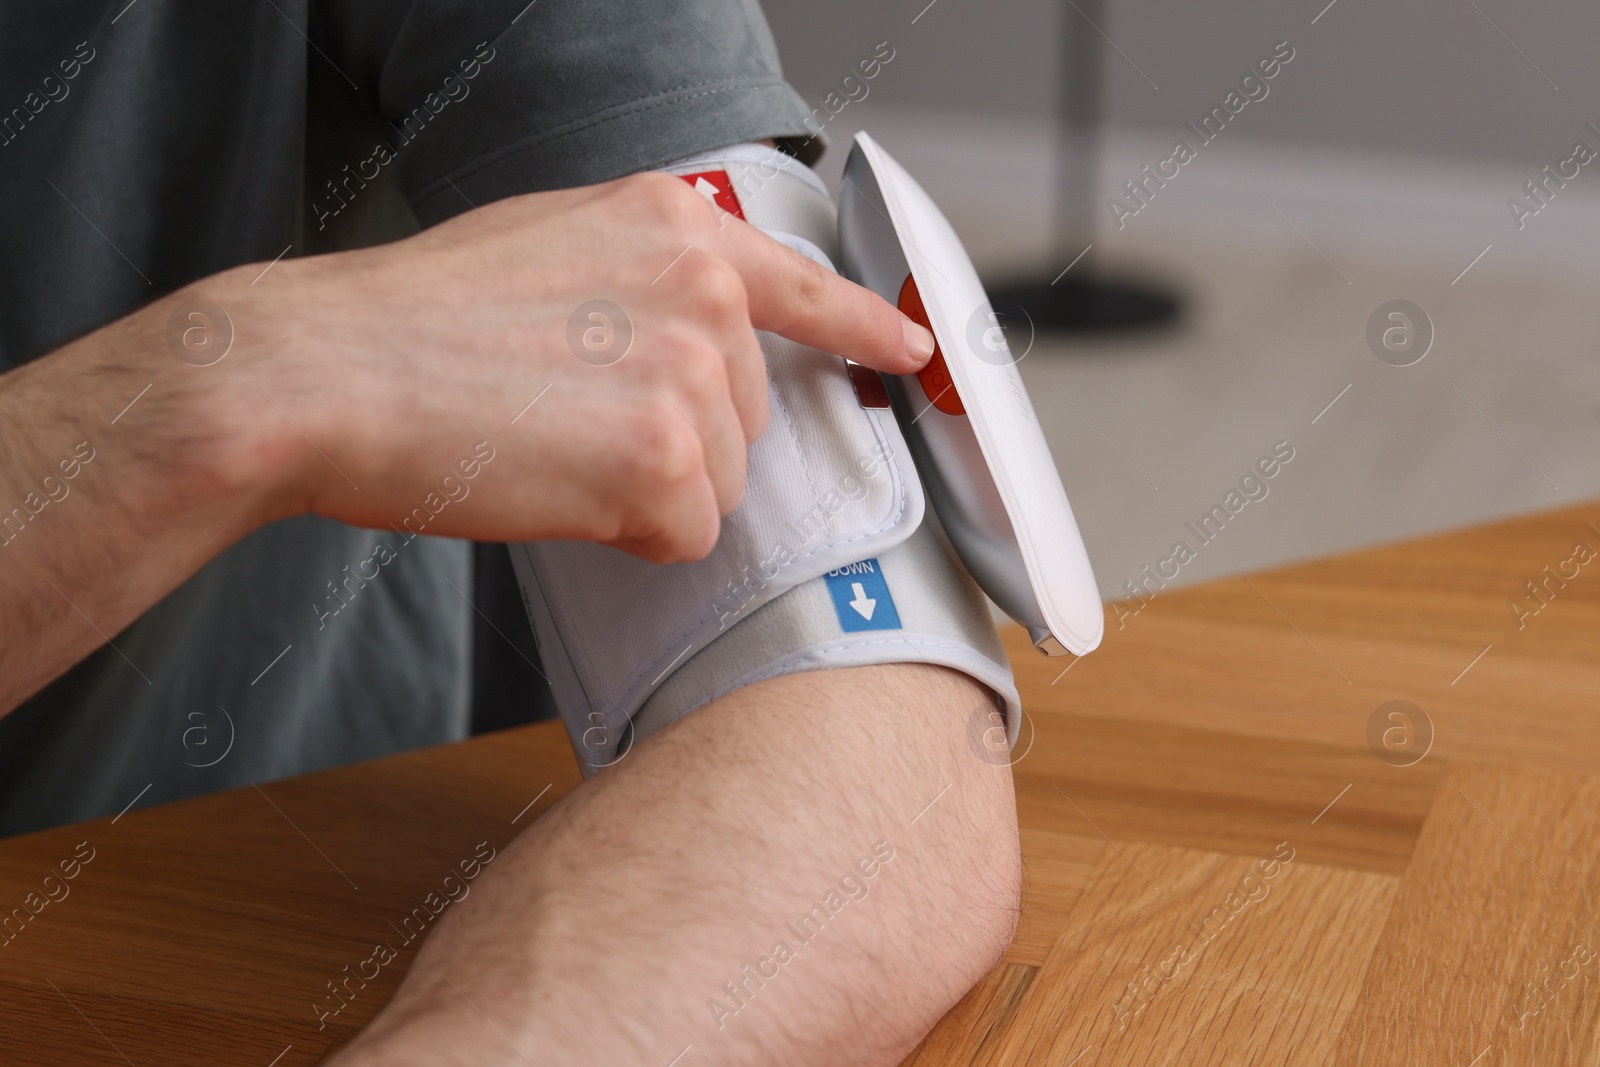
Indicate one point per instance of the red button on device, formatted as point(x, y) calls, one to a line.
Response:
point(937, 384)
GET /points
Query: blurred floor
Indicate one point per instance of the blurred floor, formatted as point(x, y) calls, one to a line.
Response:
point(1501, 417)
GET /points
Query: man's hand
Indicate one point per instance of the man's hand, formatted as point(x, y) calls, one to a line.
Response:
point(366, 385)
point(394, 361)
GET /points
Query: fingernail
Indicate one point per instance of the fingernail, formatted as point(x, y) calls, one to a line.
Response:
point(919, 342)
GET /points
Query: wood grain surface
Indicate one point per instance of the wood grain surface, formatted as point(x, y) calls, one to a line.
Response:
point(1237, 848)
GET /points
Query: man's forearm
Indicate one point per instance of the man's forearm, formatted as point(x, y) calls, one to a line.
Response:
point(121, 473)
point(809, 871)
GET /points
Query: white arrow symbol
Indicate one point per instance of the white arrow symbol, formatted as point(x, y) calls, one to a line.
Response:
point(706, 189)
point(862, 603)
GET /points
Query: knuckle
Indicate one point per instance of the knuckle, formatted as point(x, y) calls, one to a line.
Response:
point(669, 200)
point(609, 524)
point(650, 186)
point(700, 372)
point(810, 287)
point(665, 450)
point(713, 284)
point(697, 541)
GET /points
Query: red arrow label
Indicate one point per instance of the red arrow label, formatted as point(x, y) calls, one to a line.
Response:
point(717, 187)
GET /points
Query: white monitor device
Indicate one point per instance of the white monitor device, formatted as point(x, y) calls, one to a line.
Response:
point(967, 418)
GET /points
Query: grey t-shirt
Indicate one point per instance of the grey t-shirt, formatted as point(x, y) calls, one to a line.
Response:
point(147, 144)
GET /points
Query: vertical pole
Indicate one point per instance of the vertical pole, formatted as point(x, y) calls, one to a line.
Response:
point(1078, 102)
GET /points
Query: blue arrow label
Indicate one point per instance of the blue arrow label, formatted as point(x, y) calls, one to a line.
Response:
point(861, 597)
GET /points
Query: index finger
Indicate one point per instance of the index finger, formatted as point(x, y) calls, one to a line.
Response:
point(805, 302)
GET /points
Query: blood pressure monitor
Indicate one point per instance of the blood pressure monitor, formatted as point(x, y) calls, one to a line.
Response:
point(996, 495)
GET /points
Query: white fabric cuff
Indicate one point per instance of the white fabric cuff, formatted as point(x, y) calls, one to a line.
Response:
point(831, 483)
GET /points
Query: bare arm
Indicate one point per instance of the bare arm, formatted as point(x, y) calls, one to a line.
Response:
point(612, 929)
point(355, 382)
point(106, 507)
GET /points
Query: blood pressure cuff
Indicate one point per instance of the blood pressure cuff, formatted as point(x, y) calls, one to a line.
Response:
point(825, 563)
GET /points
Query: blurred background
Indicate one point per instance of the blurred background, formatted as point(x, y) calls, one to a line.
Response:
point(1378, 167)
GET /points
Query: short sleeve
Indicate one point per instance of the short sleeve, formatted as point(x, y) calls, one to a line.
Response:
point(481, 101)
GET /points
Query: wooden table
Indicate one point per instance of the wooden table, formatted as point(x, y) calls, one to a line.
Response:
point(1227, 861)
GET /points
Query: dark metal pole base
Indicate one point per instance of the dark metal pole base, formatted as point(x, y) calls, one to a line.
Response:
point(1088, 304)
